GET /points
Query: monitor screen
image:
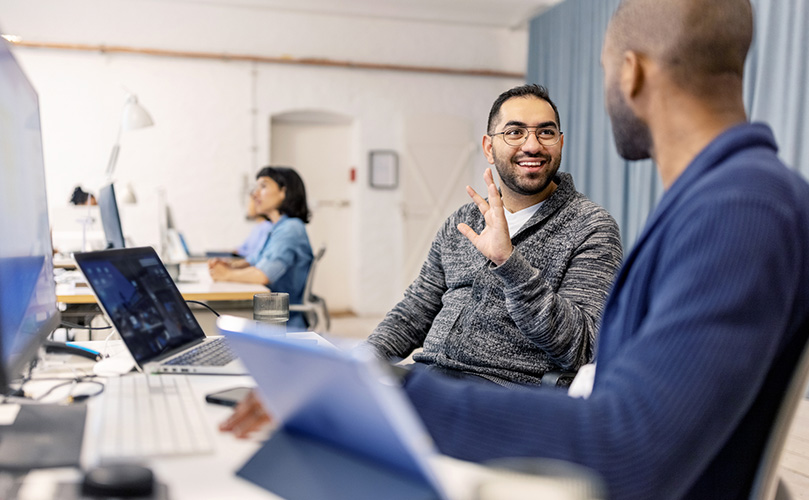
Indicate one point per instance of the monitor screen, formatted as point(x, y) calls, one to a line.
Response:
point(28, 309)
point(110, 218)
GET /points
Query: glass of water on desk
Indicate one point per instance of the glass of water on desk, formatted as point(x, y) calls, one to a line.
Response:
point(271, 308)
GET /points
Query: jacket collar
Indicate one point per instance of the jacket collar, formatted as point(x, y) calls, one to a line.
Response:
point(730, 142)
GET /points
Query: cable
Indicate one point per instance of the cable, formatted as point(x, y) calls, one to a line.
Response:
point(71, 381)
point(75, 326)
point(84, 379)
point(19, 393)
point(203, 304)
point(104, 347)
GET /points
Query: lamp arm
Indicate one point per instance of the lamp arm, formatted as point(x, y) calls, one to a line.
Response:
point(113, 159)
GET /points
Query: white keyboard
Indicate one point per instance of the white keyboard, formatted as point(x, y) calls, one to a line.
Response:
point(148, 416)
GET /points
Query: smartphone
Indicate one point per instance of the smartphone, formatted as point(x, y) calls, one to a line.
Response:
point(228, 397)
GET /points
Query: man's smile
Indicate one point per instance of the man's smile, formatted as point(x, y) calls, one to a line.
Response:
point(532, 164)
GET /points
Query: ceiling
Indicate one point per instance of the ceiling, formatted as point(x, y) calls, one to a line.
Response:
point(511, 14)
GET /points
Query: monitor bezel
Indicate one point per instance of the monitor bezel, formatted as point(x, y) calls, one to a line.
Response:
point(111, 217)
point(12, 361)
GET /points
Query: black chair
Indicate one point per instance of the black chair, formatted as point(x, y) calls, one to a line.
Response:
point(558, 378)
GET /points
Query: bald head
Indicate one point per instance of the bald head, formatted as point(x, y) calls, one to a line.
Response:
point(698, 42)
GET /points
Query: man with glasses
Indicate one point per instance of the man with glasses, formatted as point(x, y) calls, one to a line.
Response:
point(531, 304)
point(710, 313)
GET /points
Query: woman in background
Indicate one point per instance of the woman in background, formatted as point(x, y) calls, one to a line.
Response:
point(282, 262)
point(258, 235)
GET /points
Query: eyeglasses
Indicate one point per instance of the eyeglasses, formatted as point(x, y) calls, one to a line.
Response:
point(516, 136)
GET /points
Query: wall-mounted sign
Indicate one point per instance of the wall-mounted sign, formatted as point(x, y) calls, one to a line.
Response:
point(384, 169)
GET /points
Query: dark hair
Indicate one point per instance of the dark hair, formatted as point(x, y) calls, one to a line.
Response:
point(294, 204)
point(702, 44)
point(80, 196)
point(531, 89)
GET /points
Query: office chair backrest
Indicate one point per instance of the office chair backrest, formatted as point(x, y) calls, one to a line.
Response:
point(313, 307)
point(766, 480)
point(310, 278)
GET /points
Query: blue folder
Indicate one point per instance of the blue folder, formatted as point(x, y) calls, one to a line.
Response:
point(345, 430)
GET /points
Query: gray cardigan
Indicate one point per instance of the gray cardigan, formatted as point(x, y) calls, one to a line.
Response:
point(538, 311)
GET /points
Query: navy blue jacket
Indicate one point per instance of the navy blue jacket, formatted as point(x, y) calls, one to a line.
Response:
point(700, 334)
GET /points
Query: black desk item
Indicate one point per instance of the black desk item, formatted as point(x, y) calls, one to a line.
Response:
point(118, 480)
point(114, 481)
point(51, 346)
point(43, 436)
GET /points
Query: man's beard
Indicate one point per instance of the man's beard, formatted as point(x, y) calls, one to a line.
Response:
point(633, 139)
point(508, 171)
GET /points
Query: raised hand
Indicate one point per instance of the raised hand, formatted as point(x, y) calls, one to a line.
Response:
point(494, 241)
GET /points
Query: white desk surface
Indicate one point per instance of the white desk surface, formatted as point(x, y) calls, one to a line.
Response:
point(213, 476)
point(194, 284)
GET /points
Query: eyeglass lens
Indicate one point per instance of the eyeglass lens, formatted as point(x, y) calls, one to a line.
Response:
point(516, 136)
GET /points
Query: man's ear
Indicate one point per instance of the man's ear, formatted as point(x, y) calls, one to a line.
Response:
point(487, 148)
point(633, 75)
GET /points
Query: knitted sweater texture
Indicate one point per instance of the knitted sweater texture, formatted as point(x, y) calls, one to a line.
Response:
point(536, 312)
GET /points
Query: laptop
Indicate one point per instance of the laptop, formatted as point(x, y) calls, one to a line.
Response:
point(141, 300)
point(189, 255)
point(354, 435)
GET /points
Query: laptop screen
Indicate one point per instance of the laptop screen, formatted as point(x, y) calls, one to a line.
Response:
point(141, 300)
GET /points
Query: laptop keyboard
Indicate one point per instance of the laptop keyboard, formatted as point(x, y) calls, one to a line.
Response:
point(213, 353)
point(150, 415)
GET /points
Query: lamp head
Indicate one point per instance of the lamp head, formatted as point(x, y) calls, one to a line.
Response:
point(134, 116)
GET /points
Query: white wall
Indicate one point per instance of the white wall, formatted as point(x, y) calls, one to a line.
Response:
point(213, 117)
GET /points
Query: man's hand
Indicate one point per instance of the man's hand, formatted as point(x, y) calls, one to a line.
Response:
point(248, 416)
point(494, 241)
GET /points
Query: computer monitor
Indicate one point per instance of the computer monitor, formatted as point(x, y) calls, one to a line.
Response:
point(28, 309)
point(110, 218)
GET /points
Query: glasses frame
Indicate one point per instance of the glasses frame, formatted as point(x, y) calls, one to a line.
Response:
point(535, 134)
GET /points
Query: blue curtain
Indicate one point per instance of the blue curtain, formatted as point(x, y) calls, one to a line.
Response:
point(564, 54)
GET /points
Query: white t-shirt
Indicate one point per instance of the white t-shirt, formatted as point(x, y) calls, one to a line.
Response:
point(517, 220)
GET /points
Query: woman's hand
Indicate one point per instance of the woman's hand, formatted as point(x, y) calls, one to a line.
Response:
point(218, 261)
point(219, 270)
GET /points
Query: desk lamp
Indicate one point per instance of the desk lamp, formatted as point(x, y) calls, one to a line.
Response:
point(133, 117)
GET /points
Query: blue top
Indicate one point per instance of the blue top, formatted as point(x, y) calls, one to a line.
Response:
point(699, 337)
point(255, 240)
point(285, 259)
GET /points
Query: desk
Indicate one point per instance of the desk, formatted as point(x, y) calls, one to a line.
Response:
point(209, 476)
point(202, 290)
point(63, 262)
point(213, 476)
point(195, 284)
